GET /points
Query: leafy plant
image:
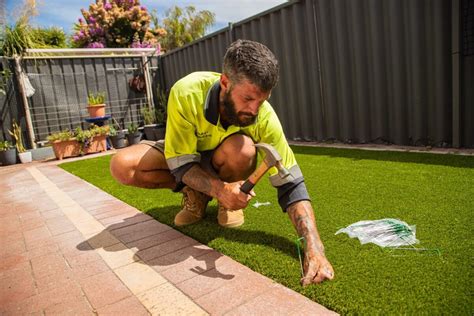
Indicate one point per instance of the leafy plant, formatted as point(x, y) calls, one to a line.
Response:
point(96, 99)
point(149, 115)
point(183, 26)
point(61, 136)
point(5, 145)
point(16, 133)
point(52, 37)
point(160, 116)
point(132, 128)
point(99, 130)
point(112, 131)
point(17, 39)
point(82, 136)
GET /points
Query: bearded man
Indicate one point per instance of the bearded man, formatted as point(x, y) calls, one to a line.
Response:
point(213, 122)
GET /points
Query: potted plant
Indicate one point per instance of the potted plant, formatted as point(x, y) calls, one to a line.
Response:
point(7, 153)
point(160, 127)
point(161, 114)
point(96, 104)
point(133, 135)
point(25, 156)
point(92, 140)
point(149, 118)
point(79, 142)
point(117, 137)
point(64, 144)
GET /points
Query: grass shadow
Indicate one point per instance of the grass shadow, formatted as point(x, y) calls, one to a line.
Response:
point(450, 160)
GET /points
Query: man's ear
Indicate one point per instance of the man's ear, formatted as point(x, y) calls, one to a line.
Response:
point(225, 82)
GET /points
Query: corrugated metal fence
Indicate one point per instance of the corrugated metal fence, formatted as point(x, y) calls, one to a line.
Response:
point(353, 71)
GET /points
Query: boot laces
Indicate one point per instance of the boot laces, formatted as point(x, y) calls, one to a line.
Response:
point(192, 199)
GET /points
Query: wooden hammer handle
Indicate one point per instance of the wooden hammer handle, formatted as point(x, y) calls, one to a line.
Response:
point(254, 177)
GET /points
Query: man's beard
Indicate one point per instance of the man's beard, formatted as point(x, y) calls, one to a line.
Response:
point(231, 115)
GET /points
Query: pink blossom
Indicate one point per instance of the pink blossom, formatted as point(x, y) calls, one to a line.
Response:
point(95, 45)
point(108, 6)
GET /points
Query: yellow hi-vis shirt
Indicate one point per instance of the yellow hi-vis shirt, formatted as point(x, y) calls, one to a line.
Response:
point(194, 126)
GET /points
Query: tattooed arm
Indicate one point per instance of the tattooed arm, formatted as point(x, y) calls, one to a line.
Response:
point(316, 267)
point(228, 194)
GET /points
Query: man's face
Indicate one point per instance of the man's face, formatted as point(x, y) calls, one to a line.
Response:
point(241, 103)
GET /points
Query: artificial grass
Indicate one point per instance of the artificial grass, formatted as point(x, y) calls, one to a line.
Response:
point(434, 192)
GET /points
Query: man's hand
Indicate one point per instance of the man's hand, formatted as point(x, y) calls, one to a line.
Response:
point(232, 198)
point(228, 194)
point(316, 267)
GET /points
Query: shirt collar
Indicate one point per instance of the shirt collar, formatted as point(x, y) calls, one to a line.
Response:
point(211, 106)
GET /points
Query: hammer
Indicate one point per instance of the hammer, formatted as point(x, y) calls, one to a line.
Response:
point(272, 159)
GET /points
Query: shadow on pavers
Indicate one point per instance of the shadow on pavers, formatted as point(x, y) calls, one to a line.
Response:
point(207, 230)
point(162, 248)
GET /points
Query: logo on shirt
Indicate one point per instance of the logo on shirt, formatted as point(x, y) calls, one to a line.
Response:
point(203, 134)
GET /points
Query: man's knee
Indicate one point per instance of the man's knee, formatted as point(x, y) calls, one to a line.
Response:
point(123, 167)
point(238, 153)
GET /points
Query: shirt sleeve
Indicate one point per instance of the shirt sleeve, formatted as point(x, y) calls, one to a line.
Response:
point(292, 188)
point(180, 138)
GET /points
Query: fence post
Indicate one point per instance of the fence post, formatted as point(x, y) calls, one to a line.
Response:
point(456, 73)
point(21, 88)
point(146, 72)
point(231, 33)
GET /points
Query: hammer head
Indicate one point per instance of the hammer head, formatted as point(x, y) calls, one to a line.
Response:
point(273, 159)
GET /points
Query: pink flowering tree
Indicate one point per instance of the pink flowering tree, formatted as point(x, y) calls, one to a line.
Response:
point(116, 23)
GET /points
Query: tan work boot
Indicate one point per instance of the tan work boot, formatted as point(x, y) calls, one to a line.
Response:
point(229, 218)
point(194, 205)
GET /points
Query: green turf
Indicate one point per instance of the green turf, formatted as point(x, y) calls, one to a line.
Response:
point(434, 192)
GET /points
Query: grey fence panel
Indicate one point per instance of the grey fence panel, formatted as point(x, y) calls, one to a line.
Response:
point(468, 97)
point(203, 55)
point(10, 107)
point(467, 111)
point(62, 86)
point(354, 71)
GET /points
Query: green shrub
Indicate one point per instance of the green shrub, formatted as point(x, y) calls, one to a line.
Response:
point(96, 99)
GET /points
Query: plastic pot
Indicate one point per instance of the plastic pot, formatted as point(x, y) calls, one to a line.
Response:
point(134, 138)
point(118, 141)
point(8, 157)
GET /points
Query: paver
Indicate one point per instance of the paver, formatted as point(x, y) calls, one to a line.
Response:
point(73, 249)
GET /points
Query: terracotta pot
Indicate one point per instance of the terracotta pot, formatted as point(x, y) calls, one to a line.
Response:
point(66, 148)
point(97, 110)
point(98, 144)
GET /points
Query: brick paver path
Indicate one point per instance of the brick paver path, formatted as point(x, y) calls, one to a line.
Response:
point(69, 248)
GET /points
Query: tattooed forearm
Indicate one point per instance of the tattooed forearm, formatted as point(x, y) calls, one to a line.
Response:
point(200, 180)
point(302, 217)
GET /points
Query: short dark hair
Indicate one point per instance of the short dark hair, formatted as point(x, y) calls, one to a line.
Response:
point(253, 61)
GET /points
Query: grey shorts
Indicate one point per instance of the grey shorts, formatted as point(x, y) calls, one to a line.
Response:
point(206, 156)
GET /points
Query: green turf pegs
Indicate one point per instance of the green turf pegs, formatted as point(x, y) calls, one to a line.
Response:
point(300, 246)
